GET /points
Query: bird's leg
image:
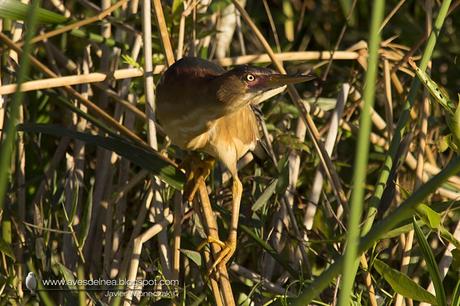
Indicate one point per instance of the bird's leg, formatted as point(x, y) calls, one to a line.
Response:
point(228, 247)
point(194, 169)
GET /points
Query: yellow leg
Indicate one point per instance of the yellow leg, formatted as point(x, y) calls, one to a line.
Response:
point(195, 168)
point(228, 247)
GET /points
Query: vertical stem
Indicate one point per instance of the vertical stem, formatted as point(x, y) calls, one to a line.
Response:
point(389, 99)
point(360, 168)
point(208, 215)
point(165, 250)
point(17, 32)
point(180, 40)
point(148, 76)
point(21, 205)
point(7, 144)
point(177, 229)
point(214, 277)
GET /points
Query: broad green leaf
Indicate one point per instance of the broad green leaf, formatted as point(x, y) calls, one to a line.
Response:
point(346, 8)
point(321, 224)
point(6, 239)
point(99, 123)
point(86, 219)
point(429, 216)
point(269, 249)
point(265, 196)
point(440, 96)
point(73, 211)
point(219, 5)
point(16, 10)
point(431, 265)
point(40, 248)
point(289, 25)
point(406, 227)
point(283, 178)
point(445, 234)
point(93, 37)
point(396, 232)
point(143, 157)
point(81, 287)
point(176, 4)
point(7, 235)
point(445, 142)
point(293, 142)
point(68, 276)
point(454, 126)
point(325, 104)
point(6, 249)
point(193, 256)
point(456, 259)
point(402, 284)
point(456, 295)
point(130, 61)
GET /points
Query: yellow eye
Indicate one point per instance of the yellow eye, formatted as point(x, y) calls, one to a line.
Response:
point(250, 77)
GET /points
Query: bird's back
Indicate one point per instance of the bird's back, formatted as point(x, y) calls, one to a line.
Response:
point(189, 111)
point(184, 101)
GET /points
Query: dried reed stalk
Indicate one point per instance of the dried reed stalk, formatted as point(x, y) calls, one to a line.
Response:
point(94, 77)
point(208, 215)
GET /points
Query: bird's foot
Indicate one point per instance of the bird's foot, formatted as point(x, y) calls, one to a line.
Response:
point(227, 251)
point(195, 168)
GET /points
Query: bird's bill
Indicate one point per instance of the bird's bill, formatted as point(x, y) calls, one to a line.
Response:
point(276, 83)
point(277, 80)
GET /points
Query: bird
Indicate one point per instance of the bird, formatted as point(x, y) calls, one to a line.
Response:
point(203, 107)
point(31, 282)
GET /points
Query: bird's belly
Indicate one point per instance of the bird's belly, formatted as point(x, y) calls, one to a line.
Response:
point(233, 134)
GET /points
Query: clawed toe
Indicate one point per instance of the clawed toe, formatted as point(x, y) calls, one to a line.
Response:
point(195, 168)
point(228, 248)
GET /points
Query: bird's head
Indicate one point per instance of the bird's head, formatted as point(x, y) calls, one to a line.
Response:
point(252, 85)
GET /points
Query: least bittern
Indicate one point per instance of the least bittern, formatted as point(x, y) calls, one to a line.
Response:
point(203, 107)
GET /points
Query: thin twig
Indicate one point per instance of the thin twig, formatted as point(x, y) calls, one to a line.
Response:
point(391, 14)
point(272, 26)
point(157, 209)
point(254, 277)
